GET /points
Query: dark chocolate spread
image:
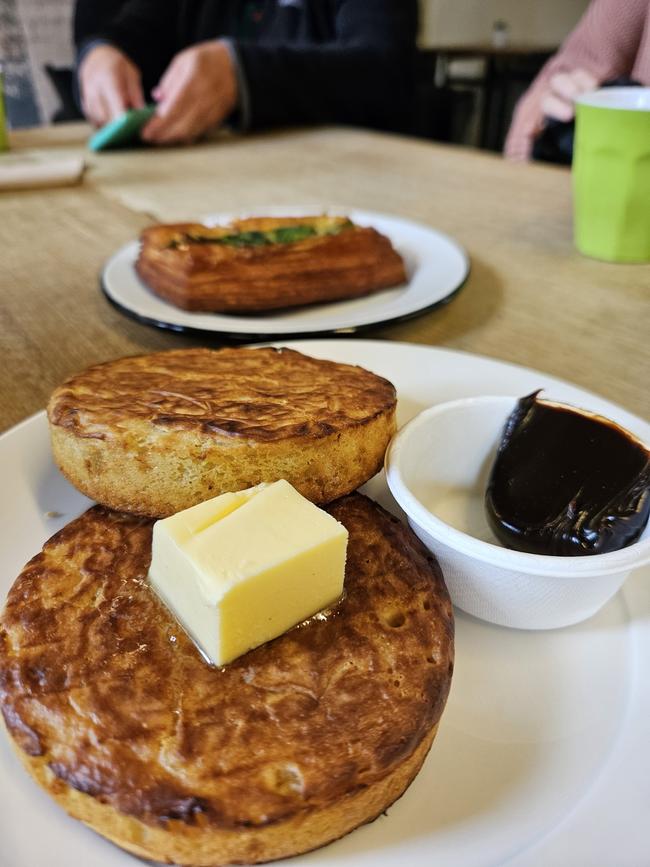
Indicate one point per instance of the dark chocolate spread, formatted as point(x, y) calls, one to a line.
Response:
point(566, 482)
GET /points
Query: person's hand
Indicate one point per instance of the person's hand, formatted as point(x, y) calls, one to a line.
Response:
point(196, 93)
point(110, 84)
point(556, 100)
point(563, 90)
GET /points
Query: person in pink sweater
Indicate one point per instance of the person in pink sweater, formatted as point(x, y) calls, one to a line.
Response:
point(611, 40)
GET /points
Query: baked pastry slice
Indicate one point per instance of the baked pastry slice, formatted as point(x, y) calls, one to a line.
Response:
point(154, 434)
point(266, 263)
point(113, 711)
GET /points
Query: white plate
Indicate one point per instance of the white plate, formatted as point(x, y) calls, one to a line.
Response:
point(436, 265)
point(544, 737)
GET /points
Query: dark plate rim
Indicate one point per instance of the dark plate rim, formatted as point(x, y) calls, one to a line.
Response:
point(259, 337)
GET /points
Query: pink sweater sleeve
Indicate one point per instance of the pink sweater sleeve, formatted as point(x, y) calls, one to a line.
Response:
point(611, 39)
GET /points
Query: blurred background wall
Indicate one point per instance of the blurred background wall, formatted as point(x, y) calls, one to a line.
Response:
point(34, 34)
point(530, 21)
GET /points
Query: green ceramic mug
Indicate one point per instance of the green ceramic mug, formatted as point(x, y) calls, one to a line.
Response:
point(611, 174)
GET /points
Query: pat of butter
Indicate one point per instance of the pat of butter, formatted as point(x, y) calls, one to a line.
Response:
point(242, 568)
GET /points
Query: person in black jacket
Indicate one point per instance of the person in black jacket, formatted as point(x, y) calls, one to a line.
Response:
point(256, 63)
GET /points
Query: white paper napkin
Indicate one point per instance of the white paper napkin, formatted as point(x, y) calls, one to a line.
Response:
point(21, 171)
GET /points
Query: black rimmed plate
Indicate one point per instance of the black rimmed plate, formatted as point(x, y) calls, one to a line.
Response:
point(437, 267)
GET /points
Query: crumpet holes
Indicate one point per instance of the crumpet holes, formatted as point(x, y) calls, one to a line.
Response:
point(395, 619)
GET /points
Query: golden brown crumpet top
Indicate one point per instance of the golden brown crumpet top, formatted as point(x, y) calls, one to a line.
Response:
point(266, 263)
point(258, 394)
point(154, 434)
point(99, 682)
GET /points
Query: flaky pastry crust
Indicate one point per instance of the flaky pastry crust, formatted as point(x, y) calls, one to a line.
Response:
point(220, 278)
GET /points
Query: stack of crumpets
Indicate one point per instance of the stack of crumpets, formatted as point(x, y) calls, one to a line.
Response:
point(110, 705)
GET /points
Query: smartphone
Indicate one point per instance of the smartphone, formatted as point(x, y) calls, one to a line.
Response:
point(124, 131)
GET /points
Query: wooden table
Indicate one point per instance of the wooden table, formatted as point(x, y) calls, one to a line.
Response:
point(531, 298)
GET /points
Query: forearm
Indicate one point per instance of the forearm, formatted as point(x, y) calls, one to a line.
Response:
point(142, 29)
point(92, 16)
point(603, 44)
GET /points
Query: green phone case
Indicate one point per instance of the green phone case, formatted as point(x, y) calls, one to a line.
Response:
point(123, 131)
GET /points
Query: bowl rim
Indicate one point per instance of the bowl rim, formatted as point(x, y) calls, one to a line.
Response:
point(621, 98)
point(625, 559)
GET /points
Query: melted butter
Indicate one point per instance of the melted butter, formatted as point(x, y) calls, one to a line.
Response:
point(325, 614)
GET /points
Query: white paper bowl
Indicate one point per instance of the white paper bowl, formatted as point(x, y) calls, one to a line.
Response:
point(437, 468)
